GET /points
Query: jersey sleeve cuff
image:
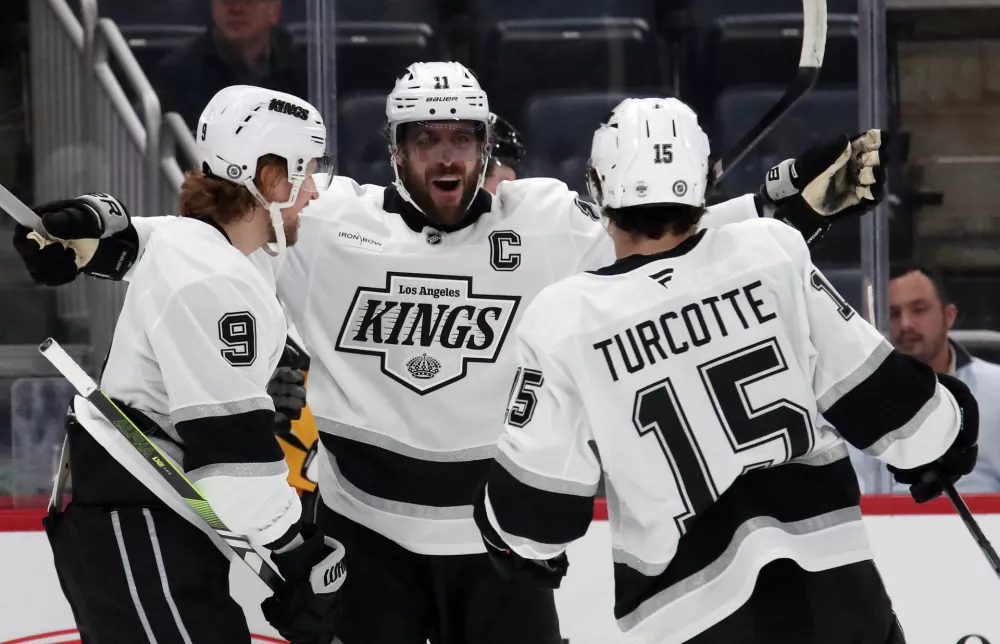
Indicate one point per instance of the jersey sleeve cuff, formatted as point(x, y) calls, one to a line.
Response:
point(282, 531)
point(291, 539)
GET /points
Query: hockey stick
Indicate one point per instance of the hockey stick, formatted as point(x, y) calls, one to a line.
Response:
point(949, 488)
point(27, 218)
point(810, 64)
point(973, 526)
point(16, 209)
point(151, 454)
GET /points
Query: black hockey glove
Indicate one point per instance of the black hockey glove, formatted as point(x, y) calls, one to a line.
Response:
point(305, 610)
point(926, 481)
point(288, 392)
point(91, 234)
point(547, 573)
point(839, 179)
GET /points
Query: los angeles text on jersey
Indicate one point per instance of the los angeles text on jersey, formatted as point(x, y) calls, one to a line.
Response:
point(427, 328)
point(676, 331)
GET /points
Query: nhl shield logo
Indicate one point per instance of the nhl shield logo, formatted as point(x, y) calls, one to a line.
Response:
point(426, 329)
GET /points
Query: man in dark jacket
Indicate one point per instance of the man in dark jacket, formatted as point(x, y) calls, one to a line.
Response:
point(242, 46)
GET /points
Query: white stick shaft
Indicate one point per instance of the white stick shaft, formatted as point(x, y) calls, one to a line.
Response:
point(813, 33)
point(16, 209)
point(120, 449)
point(65, 365)
point(103, 429)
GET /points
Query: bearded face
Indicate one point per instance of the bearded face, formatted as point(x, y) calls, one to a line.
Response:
point(439, 165)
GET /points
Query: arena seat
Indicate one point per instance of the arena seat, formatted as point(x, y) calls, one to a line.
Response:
point(363, 147)
point(560, 128)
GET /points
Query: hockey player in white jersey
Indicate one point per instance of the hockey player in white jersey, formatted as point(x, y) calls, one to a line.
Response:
point(714, 377)
point(405, 297)
point(199, 336)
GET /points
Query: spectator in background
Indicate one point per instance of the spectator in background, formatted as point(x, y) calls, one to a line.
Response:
point(242, 46)
point(507, 155)
point(921, 314)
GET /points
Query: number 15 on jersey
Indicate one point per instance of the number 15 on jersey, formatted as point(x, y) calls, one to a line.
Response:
point(659, 412)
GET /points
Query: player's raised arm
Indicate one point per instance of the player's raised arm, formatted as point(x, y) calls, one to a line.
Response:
point(831, 182)
point(834, 181)
point(540, 493)
point(92, 234)
point(883, 402)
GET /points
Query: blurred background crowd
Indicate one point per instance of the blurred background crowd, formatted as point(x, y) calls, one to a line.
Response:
point(102, 94)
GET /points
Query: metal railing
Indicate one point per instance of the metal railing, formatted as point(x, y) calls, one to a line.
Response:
point(132, 140)
point(981, 343)
point(176, 142)
point(89, 136)
point(63, 147)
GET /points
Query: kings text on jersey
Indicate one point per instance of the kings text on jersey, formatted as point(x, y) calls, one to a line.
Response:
point(425, 329)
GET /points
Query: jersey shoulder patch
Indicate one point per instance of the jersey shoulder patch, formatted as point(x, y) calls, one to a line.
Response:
point(588, 209)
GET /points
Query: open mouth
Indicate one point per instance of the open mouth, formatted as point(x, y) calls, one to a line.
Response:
point(449, 184)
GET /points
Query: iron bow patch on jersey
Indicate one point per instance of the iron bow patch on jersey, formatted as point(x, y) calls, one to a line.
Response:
point(427, 328)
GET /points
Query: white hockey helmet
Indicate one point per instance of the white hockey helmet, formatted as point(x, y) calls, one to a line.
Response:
point(440, 91)
point(243, 123)
point(650, 151)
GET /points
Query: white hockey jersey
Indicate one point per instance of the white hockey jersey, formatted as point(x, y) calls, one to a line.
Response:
point(711, 379)
point(408, 330)
point(199, 336)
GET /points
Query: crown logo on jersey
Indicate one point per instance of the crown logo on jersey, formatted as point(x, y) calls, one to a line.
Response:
point(423, 366)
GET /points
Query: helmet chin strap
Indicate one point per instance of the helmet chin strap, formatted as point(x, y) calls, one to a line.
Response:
point(274, 210)
point(400, 188)
point(405, 194)
point(274, 213)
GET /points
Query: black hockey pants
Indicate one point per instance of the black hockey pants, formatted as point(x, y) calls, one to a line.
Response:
point(394, 596)
point(143, 574)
